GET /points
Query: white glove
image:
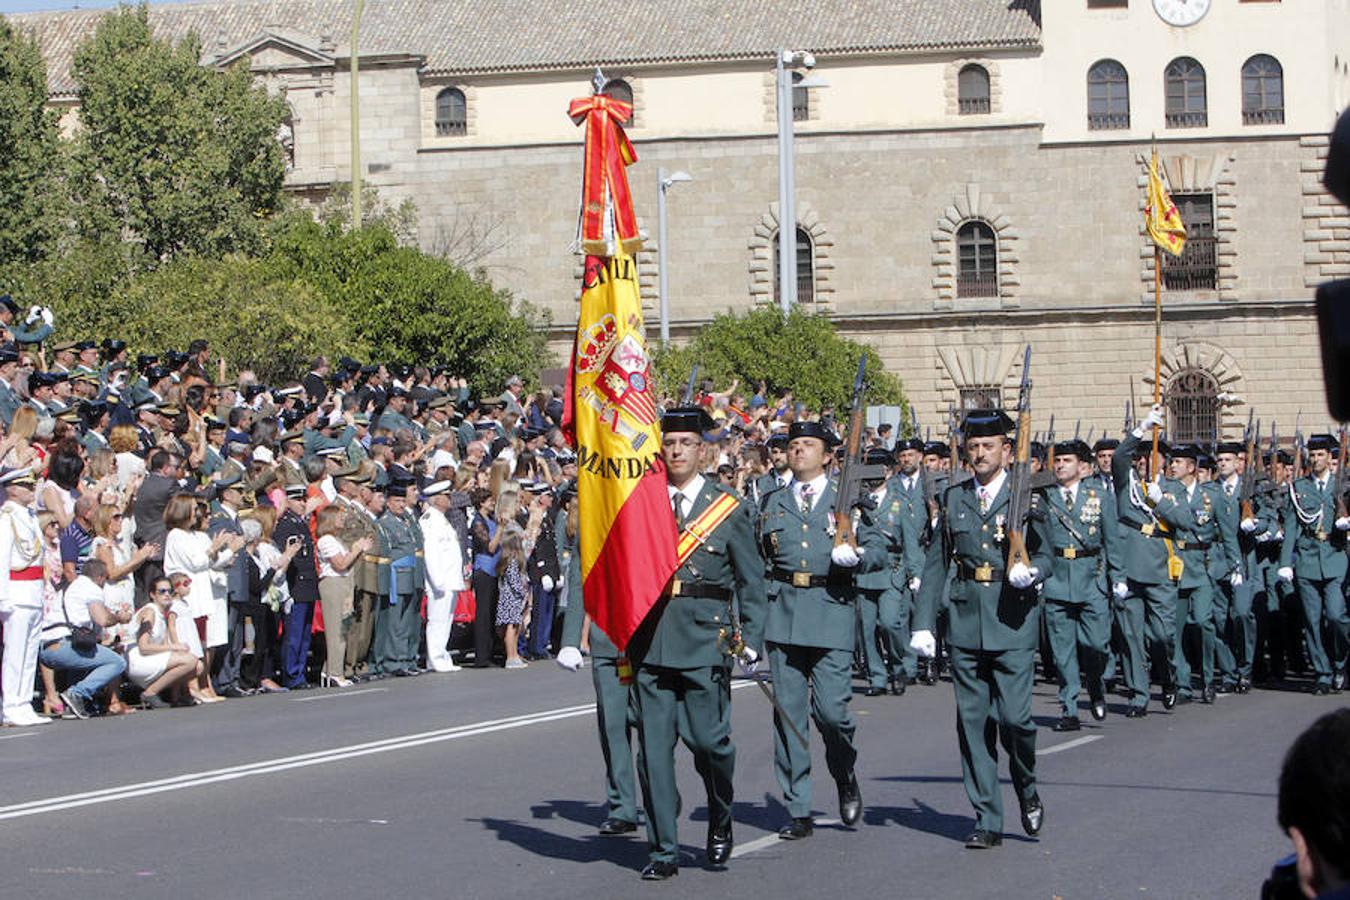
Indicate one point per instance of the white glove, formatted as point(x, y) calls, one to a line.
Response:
point(47, 315)
point(1279, 535)
point(923, 643)
point(1021, 576)
point(1154, 418)
point(915, 583)
point(569, 658)
point(546, 583)
point(562, 585)
point(1120, 590)
point(1248, 525)
point(1343, 523)
point(1154, 491)
point(34, 313)
point(1286, 574)
point(748, 660)
point(845, 555)
point(1235, 579)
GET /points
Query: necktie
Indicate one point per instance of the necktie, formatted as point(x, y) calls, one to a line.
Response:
point(679, 510)
point(984, 500)
point(806, 499)
point(1228, 489)
point(1068, 498)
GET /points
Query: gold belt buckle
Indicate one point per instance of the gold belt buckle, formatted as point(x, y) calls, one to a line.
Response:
point(984, 573)
point(1321, 535)
point(1146, 529)
point(675, 586)
point(1070, 552)
point(801, 579)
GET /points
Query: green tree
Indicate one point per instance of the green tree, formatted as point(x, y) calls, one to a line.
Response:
point(173, 156)
point(30, 161)
point(798, 352)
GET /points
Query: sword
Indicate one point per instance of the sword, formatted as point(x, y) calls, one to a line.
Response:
point(732, 645)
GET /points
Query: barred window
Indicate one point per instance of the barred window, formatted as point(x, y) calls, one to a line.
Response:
point(1197, 267)
point(801, 99)
point(977, 260)
point(621, 90)
point(1192, 400)
point(452, 110)
point(972, 90)
point(1108, 91)
point(1186, 102)
point(1262, 91)
point(981, 396)
point(806, 267)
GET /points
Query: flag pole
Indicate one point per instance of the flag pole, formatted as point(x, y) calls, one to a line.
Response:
point(1157, 319)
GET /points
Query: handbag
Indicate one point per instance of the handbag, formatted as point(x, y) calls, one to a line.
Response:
point(466, 607)
point(82, 637)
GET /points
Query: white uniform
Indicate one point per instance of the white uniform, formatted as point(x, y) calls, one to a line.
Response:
point(445, 579)
point(20, 609)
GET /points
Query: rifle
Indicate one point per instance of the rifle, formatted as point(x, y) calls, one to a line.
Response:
point(689, 388)
point(1019, 481)
point(852, 472)
point(1341, 512)
point(913, 422)
point(1247, 491)
point(1089, 435)
point(1050, 433)
point(1077, 428)
point(1129, 416)
point(955, 474)
point(1299, 461)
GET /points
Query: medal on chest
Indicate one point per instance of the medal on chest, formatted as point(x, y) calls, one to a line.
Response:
point(999, 533)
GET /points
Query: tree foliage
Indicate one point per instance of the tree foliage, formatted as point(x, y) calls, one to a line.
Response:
point(30, 154)
point(173, 156)
point(799, 352)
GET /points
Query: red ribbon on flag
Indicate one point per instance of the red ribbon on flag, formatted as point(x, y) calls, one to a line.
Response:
point(608, 154)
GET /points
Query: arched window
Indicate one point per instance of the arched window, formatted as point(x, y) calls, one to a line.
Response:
point(1185, 86)
point(1192, 400)
point(976, 260)
point(1108, 92)
point(972, 90)
point(806, 267)
point(801, 99)
point(621, 90)
point(452, 113)
point(1262, 91)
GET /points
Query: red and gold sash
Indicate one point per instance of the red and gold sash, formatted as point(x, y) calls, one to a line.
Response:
point(697, 531)
point(608, 154)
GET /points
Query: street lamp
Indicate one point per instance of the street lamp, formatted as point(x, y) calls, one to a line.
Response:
point(787, 188)
point(663, 183)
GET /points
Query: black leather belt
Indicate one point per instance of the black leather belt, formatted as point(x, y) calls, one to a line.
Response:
point(680, 588)
point(806, 579)
point(1076, 552)
point(985, 573)
point(1193, 545)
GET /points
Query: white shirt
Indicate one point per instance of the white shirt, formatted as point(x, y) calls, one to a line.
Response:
point(908, 481)
point(329, 547)
point(443, 553)
point(74, 605)
point(689, 492)
point(1072, 490)
point(817, 486)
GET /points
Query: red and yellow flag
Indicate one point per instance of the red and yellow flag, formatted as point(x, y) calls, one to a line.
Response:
point(626, 529)
point(1160, 215)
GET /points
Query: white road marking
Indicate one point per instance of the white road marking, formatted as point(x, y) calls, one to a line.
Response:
point(1069, 745)
point(10, 737)
point(770, 840)
point(339, 694)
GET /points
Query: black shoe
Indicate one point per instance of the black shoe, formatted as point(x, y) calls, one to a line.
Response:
point(898, 684)
point(1319, 690)
point(1226, 687)
point(800, 827)
point(719, 844)
point(660, 871)
point(617, 826)
point(1136, 712)
point(1033, 816)
point(1338, 682)
point(1067, 723)
point(1244, 685)
point(850, 801)
point(1169, 696)
point(1209, 694)
point(232, 690)
point(873, 691)
point(983, 840)
point(154, 701)
point(1099, 709)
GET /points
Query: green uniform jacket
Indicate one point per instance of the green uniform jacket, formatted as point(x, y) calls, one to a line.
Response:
point(1144, 557)
point(1312, 545)
point(1224, 557)
point(1202, 527)
point(400, 536)
point(814, 616)
point(903, 553)
point(914, 506)
point(315, 441)
point(359, 524)
point(682, 632)
point(1089, 525)
point(983, 615)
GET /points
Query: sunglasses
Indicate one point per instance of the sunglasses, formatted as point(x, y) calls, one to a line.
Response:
point(163, 590)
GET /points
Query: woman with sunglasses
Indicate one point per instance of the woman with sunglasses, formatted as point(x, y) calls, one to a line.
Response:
point(156, 662)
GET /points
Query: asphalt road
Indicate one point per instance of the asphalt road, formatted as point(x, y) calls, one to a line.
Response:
point(488, 784)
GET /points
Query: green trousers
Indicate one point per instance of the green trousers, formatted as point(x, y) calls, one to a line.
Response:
point(694, 706)
point(397, 631)
point(1195, 615)
point(1234, 629)
point(616, 717)
point(1147, 619)
point(885, 620)
point(814, 679)
point(993, 704)
point(1078, 629)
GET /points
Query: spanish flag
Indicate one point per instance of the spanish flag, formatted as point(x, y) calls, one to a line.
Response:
point(1161, 216)
point(626, 529)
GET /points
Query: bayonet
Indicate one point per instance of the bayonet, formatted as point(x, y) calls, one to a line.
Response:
point(1077, 427)
point(852, 472)
point(1020, 482)
point(689, 388)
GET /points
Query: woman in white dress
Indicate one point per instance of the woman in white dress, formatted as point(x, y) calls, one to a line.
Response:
point(156, 662)
point(190, 551)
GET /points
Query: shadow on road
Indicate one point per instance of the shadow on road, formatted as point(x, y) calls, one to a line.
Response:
point(623, 852)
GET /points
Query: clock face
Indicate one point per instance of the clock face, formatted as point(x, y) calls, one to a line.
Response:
point(1181, 12)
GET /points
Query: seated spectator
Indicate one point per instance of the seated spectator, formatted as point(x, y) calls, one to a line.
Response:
point(95, 666)
point(155, 662)
point(1314, 806)
point(183, 630)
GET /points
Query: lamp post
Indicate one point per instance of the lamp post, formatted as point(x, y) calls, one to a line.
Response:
point(787, 187)
point(356, 115)
point(663, 183)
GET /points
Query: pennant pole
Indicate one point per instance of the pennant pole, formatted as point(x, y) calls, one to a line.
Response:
point(1153, 461)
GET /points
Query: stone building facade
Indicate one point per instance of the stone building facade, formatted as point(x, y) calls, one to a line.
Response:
point(970, 180)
